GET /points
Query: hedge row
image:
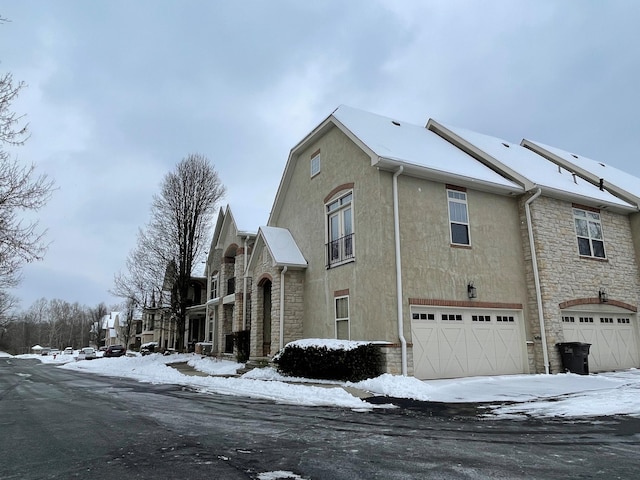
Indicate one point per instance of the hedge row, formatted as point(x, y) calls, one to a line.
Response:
point(364, 361)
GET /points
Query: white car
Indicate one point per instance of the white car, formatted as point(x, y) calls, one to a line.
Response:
point(68, 351)
point(86, 353)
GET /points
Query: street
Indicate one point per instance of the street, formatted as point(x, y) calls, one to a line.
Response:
point(57, 423)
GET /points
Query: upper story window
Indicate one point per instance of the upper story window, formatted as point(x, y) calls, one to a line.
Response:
point(214, 287)
point(458, 217)
point(589, 233)
point(340, 248)
point(315, 164)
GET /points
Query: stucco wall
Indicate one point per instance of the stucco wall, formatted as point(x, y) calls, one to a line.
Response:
point(368, 279)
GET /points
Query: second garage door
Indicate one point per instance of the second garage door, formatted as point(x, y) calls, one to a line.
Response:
point(458, 342)
point(613, 338)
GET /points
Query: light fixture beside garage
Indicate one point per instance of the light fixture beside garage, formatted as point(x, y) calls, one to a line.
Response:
point(602, 295)
point(471, 290)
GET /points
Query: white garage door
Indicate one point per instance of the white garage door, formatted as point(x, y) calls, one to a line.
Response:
point(456, 342)
point(613, 338)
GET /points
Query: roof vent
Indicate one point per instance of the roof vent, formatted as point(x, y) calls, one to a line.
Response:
point(602, 165)
point(574, 156)
point(505, 144)
point(396, 123)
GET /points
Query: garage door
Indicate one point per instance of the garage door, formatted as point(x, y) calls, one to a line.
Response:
point(456, 342)
point(613, 338)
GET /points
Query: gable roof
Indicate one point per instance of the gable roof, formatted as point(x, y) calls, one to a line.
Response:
point(282, 248)
point(532, 170)
point(621, 184)
point(391, 144)
point(229, 224)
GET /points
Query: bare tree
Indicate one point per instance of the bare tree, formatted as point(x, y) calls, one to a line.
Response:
point(20, 191)
point(177, 235)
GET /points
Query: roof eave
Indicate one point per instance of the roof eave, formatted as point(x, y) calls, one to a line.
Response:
point(420, 171)
point(586, 200)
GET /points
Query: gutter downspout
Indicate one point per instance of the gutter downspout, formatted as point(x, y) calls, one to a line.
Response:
point(396, 231)
point(244, 286)
point(536, 276)
point(284, 270)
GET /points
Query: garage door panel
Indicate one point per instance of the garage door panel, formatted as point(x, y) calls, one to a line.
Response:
point(613, 339)
point(464, 342)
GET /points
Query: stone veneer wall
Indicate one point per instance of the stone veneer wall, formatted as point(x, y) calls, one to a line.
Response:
point(565, 276)
point(393, 358)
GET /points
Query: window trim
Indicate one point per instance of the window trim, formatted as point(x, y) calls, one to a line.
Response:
point(344, 245)
point(342, 319)
point(586, 217)
point(315, 162)
point(459, 191)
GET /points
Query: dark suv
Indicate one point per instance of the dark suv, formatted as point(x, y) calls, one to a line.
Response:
point(115, 351)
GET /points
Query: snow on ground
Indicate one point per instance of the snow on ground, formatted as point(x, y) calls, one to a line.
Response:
point(511, 396)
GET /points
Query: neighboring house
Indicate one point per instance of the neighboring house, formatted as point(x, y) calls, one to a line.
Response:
point(225, 308)
point(113, 324)
point(157, 325)
point(462, 253)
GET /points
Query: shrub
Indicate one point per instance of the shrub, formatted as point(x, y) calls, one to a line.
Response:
point(358, 362)
point(241, 345)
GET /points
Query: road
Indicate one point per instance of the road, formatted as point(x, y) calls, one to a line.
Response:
point(56, 423)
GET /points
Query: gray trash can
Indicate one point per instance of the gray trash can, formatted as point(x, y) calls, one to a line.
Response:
point(575, 357)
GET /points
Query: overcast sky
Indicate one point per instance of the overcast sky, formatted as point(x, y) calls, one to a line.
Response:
point(120, 91)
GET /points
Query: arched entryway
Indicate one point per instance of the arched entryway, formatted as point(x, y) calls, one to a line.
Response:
point(266, 317)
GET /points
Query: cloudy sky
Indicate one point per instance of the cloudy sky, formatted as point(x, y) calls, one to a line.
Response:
point(119, 91)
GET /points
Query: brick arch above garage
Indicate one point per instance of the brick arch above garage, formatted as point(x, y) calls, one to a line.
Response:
point(596, 301)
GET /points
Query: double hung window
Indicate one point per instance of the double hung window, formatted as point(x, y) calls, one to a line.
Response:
point(214, 287)
point(589, 233)
point(340, 230)
point(342, 318)
point(458, 217)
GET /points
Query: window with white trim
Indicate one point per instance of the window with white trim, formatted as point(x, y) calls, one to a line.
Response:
point(315, 165)
point(589, 233)
point(342, 318)
point(458, 217)
point(214, 287)
point(340, 230)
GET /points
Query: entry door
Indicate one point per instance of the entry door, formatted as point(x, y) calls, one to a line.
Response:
point(266, 319)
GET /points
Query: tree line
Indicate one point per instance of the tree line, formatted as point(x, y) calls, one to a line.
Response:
point(53, 323)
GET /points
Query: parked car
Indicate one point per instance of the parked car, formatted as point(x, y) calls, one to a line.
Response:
point(68, 351)
point(45, 351)
point(115, 351)
point(149, 347)
point(87, 353)
point(54, 351)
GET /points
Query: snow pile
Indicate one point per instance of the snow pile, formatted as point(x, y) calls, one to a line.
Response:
point(511, 396)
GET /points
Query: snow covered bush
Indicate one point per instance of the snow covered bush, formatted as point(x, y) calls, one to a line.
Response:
point(328, 359)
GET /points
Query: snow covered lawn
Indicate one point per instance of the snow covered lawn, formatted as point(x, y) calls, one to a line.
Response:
point(512, 396)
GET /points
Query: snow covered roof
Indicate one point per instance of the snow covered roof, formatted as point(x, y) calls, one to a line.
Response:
point(534, 170)
point(229, 222)
point(421, 151)
point(281, 246)
point(109, 320)
point(618, 182)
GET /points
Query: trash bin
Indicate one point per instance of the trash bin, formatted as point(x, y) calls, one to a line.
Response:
point(575, 357)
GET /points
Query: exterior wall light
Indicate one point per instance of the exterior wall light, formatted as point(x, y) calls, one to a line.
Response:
point(471, 290)
point(602, 296)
